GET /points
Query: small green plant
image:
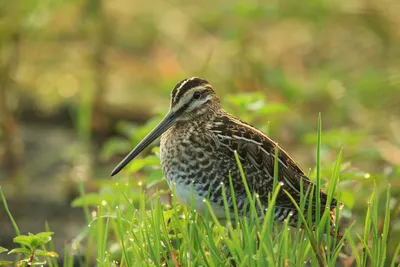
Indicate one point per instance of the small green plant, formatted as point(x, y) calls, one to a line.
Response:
point(32, 247)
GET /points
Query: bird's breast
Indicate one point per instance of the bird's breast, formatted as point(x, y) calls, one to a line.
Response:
point(191, 173)
point(190, 163)
point(187, 155)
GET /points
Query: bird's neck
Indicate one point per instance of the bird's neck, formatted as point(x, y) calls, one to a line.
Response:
point(198, 119)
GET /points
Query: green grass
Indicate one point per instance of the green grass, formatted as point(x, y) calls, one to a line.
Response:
point(137, 229)
point(128, 226)
point(310, 66)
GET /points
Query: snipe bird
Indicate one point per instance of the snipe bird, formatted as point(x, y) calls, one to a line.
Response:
point(198, 140)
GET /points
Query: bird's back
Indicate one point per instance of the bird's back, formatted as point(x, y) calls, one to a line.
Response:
point(201, 154)
point(257, 152)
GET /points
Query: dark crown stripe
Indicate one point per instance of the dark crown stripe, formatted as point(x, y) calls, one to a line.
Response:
point(177, 88)
point(184, 86)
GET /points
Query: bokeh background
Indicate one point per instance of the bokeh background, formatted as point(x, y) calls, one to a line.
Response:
point(78, 78)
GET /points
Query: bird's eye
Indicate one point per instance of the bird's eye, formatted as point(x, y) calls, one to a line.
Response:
point(196, 95)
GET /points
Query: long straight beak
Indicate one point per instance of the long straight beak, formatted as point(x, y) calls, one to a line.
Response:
point(164, 125)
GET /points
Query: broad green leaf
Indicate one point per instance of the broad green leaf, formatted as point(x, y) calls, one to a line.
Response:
point(93, 199)
point(41, 239)
point(2, 263)
point(244, 99)
point(3, 249)
point(24, 251)
point(337, 137)
point(273, 108)
point(25, 240)
point(139, 164)
point(44, 235)
point(114, 146)
point(46, 253)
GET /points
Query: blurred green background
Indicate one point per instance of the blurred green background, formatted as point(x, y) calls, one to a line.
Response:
point(78, 77)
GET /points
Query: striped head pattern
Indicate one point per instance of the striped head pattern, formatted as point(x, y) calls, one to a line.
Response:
point(193, 96)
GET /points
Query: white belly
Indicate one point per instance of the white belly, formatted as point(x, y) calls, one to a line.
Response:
point(189, 197)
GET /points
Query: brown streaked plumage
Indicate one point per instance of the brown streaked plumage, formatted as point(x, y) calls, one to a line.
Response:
point(198, 140)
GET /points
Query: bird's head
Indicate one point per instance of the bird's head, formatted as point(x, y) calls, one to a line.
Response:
point(190, 99)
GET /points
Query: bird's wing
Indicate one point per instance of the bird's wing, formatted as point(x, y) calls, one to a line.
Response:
point(257, 155)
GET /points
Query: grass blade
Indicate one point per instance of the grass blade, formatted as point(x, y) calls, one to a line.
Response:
point(319, 253)
point(3, 198)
